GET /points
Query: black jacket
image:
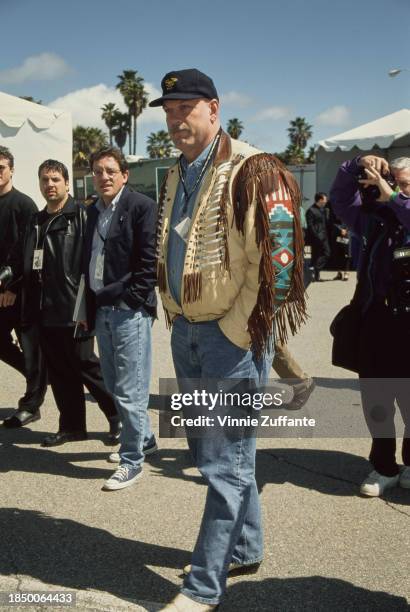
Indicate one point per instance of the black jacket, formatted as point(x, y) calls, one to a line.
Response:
point(16, 210)
point(317, 220)
point(50, 296)
point(129, 255)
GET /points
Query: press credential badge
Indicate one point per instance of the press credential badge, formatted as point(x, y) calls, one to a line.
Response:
point(99, 267)
point(38, 259)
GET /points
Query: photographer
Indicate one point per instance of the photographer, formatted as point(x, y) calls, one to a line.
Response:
point(16, 210)
point(373, 199)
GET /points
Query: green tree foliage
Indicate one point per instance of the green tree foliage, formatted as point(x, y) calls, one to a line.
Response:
point(31, 99)
point(234, 128)
point(311, 156)
point(86, 140)
point(299, 132)
point(159, 144)
point(121, 129)
point(108, 115)
point(135, 97)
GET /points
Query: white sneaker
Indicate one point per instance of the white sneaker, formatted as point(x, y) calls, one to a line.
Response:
point(114, 458)
point(375, 484)
point(404, 480)
point(124, 476)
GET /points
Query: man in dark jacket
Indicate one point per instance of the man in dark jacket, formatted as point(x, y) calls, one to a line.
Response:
point(16, 210)
point(379, 215)
point(50, 266)
point(120, 278)
point(317, 220)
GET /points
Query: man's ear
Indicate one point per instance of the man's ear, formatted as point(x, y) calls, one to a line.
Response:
point(214, 109)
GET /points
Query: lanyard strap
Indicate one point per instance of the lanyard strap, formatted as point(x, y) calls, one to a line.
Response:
point(101, 237)
point(201, 174)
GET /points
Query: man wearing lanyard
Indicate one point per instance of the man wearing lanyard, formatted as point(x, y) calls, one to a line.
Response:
point(217, 282)
point(48, 264)
point(121, 302)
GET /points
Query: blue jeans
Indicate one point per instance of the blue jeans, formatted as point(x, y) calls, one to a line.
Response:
point(124, 343)
point(231, 527)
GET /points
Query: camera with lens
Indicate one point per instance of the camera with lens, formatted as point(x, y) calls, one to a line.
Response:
point(399, 299)
point(371, 193)
point(5, 274)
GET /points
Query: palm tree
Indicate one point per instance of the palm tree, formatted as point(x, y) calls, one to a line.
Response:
point(135, 97)
point(86, 140)
point(299, 132)
point(234, 128)
point(294, 155)
point(159, 144)
point(311, 156)
point(121, 128)
point(108, 115)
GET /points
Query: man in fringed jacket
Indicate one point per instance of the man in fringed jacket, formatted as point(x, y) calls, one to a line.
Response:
point(230, 256)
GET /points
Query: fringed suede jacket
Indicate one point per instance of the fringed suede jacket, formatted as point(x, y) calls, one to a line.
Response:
point(244, 257)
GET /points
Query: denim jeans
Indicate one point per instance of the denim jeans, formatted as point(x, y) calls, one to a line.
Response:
point(231, 528)
point(124, 343)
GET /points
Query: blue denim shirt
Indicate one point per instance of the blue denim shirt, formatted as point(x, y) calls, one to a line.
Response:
point(176, 245)
point(101, 231)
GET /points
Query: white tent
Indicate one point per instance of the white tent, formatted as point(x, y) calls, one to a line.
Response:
point(33, 133)
point(388, 136)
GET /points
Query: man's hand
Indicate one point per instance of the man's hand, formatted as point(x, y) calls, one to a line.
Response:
point(343, 232)
point(7, 299)
point(375, 178)
point(372, 162)
point(84, 325)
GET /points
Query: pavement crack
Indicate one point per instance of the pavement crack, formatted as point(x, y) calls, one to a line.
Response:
point(396, 509)
point(309, 470)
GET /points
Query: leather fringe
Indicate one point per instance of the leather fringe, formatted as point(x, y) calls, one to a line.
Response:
point(259, 176)
point(162, 277)
point(168, 320)
point(192, 287)
point(223, 223)
point(260, 321)
point(160, 218)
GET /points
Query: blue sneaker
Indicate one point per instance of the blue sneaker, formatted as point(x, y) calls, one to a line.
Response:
point(124, 476)
point(151, 447)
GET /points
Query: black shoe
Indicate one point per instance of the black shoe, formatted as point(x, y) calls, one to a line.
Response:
point(113, 436)
point(151, 447)
point(21, 418)
point(234, 569)
point(61, 437)
point(301, 394)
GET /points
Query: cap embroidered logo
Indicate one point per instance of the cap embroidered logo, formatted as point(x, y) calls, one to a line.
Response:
point(171, 82)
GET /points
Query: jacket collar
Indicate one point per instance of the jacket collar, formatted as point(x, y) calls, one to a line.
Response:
point(69, 208)
point(224, 151)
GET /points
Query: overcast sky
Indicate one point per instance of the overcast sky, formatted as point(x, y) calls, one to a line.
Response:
point(270, 60)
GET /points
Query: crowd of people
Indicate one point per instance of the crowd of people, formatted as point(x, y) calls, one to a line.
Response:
point(225, 246)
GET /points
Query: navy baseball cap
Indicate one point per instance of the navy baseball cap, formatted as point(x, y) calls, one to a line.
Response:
point(186, 85)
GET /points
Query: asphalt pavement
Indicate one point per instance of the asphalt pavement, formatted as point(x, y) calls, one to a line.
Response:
point(326, 548)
